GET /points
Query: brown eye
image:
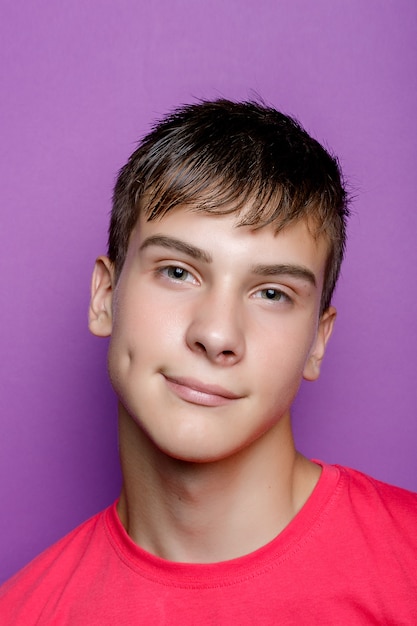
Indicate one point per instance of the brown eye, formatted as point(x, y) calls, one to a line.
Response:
point(177, 273)
point(273, 294)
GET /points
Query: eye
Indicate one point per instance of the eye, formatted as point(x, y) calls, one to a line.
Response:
point(176, 273)
point(272, 294)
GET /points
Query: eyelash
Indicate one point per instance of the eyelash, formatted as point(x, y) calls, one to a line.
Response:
point(282, 295)
point(166, 271)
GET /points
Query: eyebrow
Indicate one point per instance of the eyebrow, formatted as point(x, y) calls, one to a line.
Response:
point(297, 271)
point(177, 244)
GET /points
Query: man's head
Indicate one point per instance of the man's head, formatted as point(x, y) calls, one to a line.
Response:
point(222, 157)
point(226, 238)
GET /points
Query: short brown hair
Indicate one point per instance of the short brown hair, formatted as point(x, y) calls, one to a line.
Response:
point(223, 157)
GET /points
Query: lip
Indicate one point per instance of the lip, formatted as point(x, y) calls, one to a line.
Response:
point(196, 392)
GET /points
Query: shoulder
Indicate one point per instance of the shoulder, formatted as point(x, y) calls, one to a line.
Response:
point(377, 507)
point(366, 489)
point(49, 572)
point(370, 527)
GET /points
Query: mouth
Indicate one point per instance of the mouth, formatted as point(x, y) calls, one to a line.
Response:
point(196, 392)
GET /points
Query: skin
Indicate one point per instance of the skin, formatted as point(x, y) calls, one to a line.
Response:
point(213, 327)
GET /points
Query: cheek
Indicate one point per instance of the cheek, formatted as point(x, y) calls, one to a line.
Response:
point(143, 333)
point(280, 356)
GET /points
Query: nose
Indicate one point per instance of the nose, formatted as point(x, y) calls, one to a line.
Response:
point(216, 328)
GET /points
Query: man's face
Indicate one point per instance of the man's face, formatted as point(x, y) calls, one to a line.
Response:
point(213, 327)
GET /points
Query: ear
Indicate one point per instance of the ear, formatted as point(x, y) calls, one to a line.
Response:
point(100, 311)
point(325, 328)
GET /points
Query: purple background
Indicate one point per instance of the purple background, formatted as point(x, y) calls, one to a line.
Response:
point(81, 82)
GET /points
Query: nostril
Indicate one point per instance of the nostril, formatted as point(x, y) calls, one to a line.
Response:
point(200, 346)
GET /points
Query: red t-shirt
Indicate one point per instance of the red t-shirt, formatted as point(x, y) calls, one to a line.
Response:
point(348, 557)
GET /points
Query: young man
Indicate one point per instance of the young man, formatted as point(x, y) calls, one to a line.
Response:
point(226, 238)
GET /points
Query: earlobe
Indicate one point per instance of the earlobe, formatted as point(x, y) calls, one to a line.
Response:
point(100, 311)
point(324, 331)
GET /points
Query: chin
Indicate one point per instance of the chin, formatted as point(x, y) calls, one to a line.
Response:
point(203, 452)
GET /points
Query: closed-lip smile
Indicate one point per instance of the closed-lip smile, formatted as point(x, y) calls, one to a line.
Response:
point(196, 392)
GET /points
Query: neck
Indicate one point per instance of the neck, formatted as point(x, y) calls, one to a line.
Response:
point(211, 512)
